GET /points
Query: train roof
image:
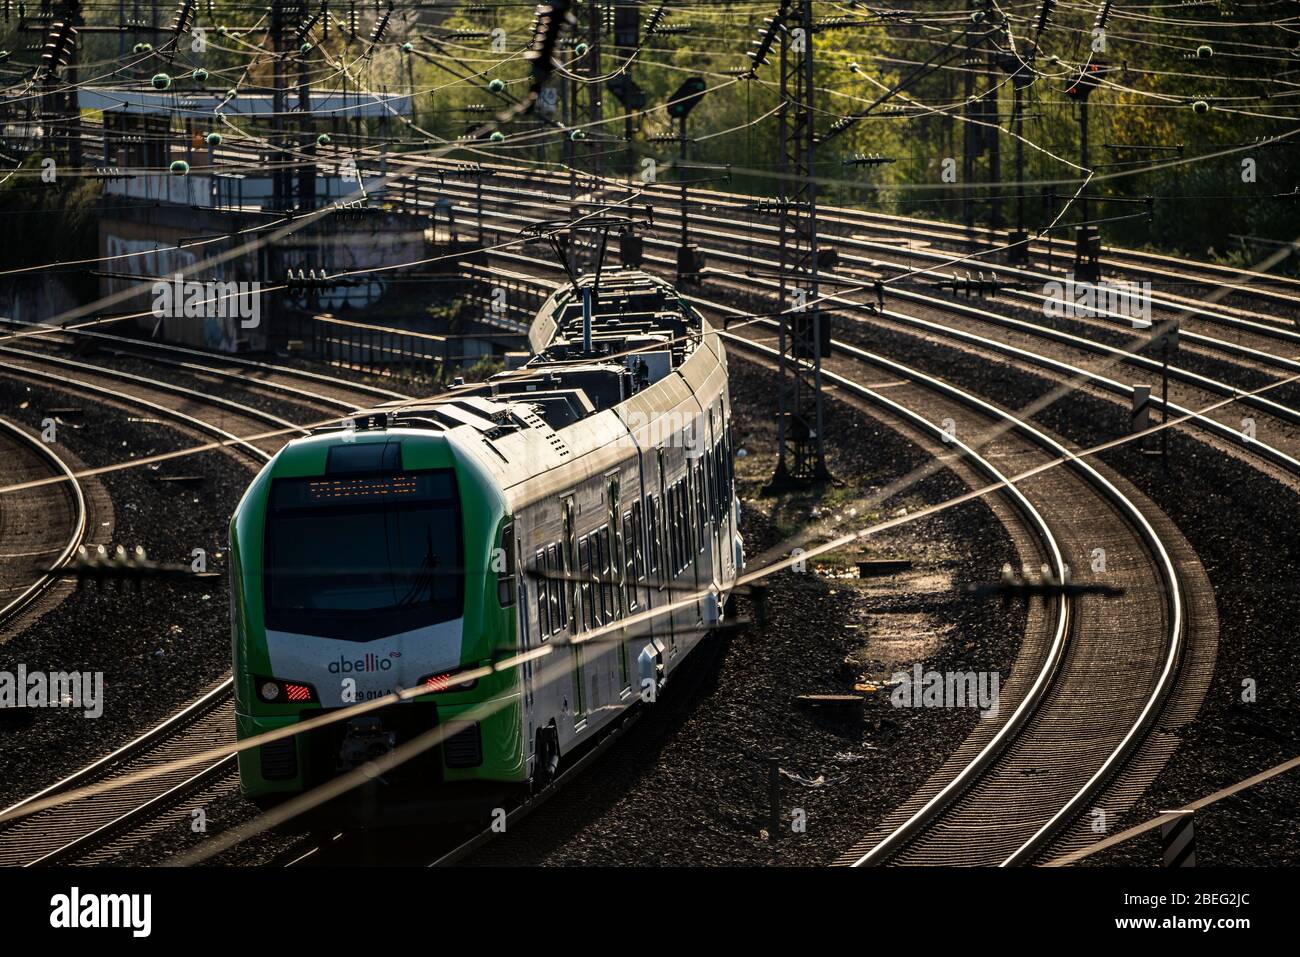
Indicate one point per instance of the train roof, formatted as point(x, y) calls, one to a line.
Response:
point(641, 333)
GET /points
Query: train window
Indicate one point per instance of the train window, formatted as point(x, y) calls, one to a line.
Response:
point(688, 518)
point(585, 611)
point(628, 550)
point(701, 508)
point(599, 548)
point(504, 563)
point(559, 590)
point(719, 476)
point(652, 529)
point(684, 524)
point(349, 557)
point(543, 593)
point(710, 485)
point(608, 571)
point(638, 547)
point(674, 530)
point(693, 508)
point(670, 533)
point(730, 459)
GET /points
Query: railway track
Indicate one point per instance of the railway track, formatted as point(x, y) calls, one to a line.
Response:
point(1248, 355)
point(1115, 757)
point(70, 832)
point(41, 529)
point(1181, 284)
point(1088, 360)
point(278, 379)
point(1040, 740)
point(91, 829)
point(1032, 777)
point(914, 239)
point(1255, 330)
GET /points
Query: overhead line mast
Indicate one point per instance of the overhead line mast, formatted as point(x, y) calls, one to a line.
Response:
point(801, 454)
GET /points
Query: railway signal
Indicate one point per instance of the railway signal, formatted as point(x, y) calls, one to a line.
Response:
point(1166, 342)
point(687, 97)
point(1141, 415)
point(690, 263)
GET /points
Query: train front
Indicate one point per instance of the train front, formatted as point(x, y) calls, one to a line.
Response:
point(349, 581)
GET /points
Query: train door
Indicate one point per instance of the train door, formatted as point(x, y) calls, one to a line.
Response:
point(667, 573)
point(527, 585)
point(615, 559)
point(574, 586)
point(712, 468)
point(694, 520)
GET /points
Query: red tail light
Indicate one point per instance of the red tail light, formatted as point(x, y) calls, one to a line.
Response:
point(279, 691)
point(446, 682)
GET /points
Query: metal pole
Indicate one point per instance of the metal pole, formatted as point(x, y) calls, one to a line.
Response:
point(586, 319)
point(995, 145)
point(682, 154)
point(478, 202)
point(819, 469)
point(1083, 154)
point(1017, 108)
point(1164, 402)
point(773, 798)
point(969, 130)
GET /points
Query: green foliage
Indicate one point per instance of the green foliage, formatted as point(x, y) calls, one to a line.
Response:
point(49, 222)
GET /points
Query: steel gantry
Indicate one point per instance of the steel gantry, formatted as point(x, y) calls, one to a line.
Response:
point(801, 452)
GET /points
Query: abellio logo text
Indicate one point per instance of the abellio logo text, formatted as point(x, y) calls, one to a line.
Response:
point(366, 663)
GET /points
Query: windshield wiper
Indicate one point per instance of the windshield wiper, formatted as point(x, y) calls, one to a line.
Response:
point(424, 576)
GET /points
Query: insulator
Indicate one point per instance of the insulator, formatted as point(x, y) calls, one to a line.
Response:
point(767, 37)
point(381, 26)
point(1045, 15)
point(551, 21)
point(301, 33)
point(652, 21)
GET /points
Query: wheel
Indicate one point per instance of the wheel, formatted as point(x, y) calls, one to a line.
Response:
point(548, 758)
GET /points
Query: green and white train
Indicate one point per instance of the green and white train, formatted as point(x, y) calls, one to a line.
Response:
point(425, 539)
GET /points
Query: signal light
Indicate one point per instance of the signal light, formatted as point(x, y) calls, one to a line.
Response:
point(1088, 79)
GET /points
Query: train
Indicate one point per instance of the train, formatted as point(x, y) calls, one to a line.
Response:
point(584, 498)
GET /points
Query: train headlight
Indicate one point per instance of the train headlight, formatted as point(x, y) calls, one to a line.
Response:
point(270, 691)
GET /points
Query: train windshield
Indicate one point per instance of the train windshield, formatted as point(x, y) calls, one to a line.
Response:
point(358, 557)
